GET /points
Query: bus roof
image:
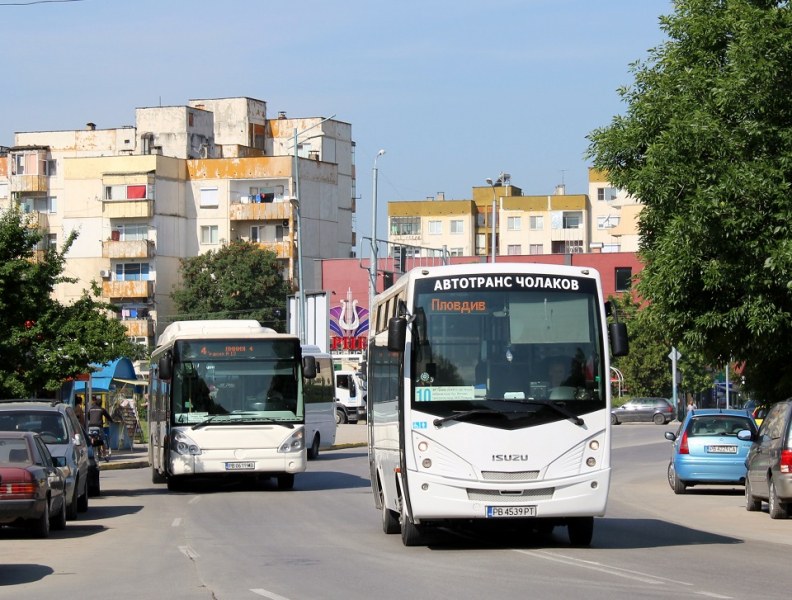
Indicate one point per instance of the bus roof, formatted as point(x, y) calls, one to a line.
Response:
point(213, 328)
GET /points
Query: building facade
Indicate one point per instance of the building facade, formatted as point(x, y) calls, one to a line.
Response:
point(184, 180)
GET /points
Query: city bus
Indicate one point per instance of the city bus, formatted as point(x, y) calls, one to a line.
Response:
point(489, 399)
point(226, 398)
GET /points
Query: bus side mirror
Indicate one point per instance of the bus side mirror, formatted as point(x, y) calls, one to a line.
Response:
point(618, 339)
point(397, 334)
point(165, 367)
point(309, 367)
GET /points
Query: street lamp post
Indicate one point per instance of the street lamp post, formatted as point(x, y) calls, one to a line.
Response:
point(494, 217)
point(373, 262)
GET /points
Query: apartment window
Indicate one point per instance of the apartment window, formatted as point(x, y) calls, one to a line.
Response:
point(514, 249)
point(256, 233)
point(607, 222)
point(210, 198)
point(456, 251)
point(607, 193)
point(567, 247)
point(132, 272)
point(435, 227)
point(610, 248)
point(127, 192)
point(281, 232)
point(130, 232)
point(536, 222)
point(210, 234)
point(52, 241)
point(405, 225)
point(623, 278)
point(457, 226)
point(51, 167)
point(535, 249)
point(572, 220)
point(481, 244)
point(514, 224)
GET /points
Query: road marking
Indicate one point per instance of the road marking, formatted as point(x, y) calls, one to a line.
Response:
point(713, 595)
point(189, 552)
point(176, 522)
point(603, 568)
point(194, 500)
point(270, 595)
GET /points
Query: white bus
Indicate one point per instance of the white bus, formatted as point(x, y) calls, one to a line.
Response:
point(489, 398)
point(226, 398)
point(320, 419)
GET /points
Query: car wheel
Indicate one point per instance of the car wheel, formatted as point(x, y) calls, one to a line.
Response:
point(778, 509)
point(659, 419)
point(82, 501)
point(41, 526)
point(580, 531)
point(313, 451)
point(751, 503)
point(341, 417)
point(676, 484)
point(71, 506)
point(58, 522)
point(157, 477)
point(614, 420)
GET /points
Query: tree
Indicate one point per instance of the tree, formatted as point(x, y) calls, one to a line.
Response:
point(706, 145)
point(44, 342)
point(238, 281)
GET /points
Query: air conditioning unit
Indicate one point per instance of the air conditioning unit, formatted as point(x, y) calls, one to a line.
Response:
point(104, 274)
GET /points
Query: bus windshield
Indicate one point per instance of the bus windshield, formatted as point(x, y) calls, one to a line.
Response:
point(234, 387)
point(511, 352)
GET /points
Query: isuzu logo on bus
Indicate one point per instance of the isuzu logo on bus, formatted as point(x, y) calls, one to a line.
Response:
point(509, 457)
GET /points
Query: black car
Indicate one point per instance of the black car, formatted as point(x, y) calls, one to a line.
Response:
point(32, 485)
point(651, 410)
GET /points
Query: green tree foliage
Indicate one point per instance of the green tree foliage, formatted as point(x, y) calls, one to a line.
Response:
point(238, 281)
point(647, 368)
point(44, 342)
point(706, 145)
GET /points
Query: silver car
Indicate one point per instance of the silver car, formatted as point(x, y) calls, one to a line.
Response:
point(59, 428)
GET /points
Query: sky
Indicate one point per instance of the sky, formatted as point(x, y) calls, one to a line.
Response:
point(455, 92)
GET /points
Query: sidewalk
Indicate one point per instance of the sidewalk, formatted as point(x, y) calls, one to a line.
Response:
point(347, 436)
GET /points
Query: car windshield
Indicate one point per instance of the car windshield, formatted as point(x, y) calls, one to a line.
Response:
point(49, 424)
point(720, 425)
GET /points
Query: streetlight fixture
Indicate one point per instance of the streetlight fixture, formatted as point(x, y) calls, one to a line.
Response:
point(373, 262)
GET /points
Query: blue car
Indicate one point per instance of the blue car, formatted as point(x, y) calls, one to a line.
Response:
point(706, 449)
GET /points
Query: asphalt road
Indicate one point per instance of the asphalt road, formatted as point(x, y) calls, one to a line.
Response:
point(323, 540)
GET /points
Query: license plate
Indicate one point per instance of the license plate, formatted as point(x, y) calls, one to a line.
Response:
point(240, 466)
point(722, 449)
point(495, 512)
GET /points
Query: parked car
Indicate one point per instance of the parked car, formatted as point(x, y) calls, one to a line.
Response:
point(769, 462)
point(31, 484)
point(657, 410)
point(59, 428)
point(707, 450)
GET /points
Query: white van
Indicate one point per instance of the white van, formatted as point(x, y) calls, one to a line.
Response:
point(350, 389)
point(320, 428)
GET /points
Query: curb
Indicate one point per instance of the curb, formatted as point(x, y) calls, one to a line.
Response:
point(144, 463)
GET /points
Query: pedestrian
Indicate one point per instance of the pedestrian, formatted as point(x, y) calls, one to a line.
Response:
point(691, 405)
point(79, 410)
point(96, 418)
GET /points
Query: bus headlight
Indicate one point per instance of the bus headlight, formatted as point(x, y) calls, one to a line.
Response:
point(181, 444)
point(294, 443)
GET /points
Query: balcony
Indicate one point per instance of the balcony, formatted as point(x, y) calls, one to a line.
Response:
point(127, 289)
point(139, 327)
point(281, 249)
point(128, 249)
point(125, 209)
point(260, 211)
point(23, 184)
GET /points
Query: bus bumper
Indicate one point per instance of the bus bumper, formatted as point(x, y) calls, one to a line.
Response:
point(434, 498)
point(213, 463)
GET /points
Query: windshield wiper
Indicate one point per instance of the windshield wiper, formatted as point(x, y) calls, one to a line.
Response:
point(245, 421)
point(461, 415)
point(559, 408)
point(205, 422)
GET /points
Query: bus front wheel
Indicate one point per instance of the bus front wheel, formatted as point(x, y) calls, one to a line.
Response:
point(390, 518)
point(580, 530)
point(411, 534)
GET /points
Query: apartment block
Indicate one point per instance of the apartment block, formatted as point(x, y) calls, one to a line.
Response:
point(614, 216)
point(184, 180)
point(522, 225)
